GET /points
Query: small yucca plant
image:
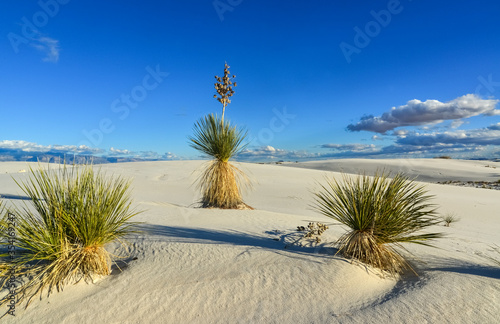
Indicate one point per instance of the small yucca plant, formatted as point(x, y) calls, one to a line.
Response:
point(221, 181)
point(381, 213)
point(449, 218)
point(61, 236)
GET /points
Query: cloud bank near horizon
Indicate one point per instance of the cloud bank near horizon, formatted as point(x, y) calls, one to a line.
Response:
point(18, 149)
point(418, 113)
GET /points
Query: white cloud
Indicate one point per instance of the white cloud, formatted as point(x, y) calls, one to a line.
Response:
point(29, 147)
point(48, 46)
point(400, 132)
point(119, 152)
point(170, 156)
point(457, 123)
point(152, 155)
point(416, 113)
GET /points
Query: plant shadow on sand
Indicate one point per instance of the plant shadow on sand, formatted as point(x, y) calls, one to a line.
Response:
point(16, 197)
point(410, 282)
point(120, 265)
point(209, 236)
point(462, 267)
point(280, 243)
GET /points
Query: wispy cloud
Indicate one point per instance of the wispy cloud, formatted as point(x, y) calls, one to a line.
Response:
point(350, 147)
point(269, 153)
point(144, 155)
point(416, 113)
point(475, 137)
point(458, 150)
point(49, 47)
point(152, 155)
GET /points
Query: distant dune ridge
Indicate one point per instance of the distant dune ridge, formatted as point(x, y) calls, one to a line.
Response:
point(196, 265)
point(427, 170)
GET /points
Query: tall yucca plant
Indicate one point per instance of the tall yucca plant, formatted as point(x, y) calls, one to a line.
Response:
point(381, 213)
point(73, 213)
point(220, 182)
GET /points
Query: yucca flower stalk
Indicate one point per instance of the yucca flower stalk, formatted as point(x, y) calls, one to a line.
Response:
point(221, 181)
point(224, 88)
point(382, 213)
point(74, 212)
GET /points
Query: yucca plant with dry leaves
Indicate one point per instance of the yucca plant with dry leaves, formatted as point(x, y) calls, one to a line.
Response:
point(62, 233)
point(382, 213)
point(449, 218)
point(221, 182)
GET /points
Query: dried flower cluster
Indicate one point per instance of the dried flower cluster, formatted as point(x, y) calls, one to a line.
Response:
point(224, 88)
point(314, 230)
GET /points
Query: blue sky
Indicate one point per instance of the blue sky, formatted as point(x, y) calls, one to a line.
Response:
point(316, 79)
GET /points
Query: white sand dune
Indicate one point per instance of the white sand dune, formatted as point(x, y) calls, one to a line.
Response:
point(231, 266)
point(428, 170)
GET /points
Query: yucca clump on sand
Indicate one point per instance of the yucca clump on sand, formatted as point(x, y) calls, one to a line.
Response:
point(61, 235)
point(221, 181)
point(382, 213)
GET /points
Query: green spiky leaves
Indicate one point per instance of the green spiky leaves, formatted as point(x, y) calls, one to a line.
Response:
point(381, 213)
point(217, 138)
point(73, 213)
